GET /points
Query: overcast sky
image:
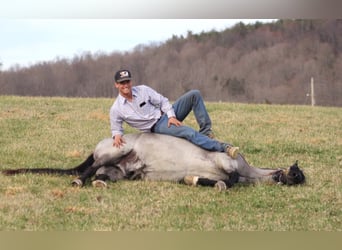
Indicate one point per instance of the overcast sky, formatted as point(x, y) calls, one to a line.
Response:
point(28, 41)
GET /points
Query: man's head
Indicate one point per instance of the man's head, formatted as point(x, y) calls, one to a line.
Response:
point(123, 82)
point(122, 76)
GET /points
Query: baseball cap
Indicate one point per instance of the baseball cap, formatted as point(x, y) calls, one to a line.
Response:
point(122, 75)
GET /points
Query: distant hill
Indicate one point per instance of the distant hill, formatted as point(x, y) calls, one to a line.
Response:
point(255, 63)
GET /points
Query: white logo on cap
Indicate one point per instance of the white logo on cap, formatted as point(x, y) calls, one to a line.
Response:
point(124, 74)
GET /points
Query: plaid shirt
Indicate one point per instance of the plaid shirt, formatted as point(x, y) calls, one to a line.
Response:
point(142, 113)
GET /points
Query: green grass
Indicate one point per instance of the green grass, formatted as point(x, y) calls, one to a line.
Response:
point(61, 132)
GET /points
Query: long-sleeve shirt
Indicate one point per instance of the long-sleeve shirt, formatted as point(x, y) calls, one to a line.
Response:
point(142, 113)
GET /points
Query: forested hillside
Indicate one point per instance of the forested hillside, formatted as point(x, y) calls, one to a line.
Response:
point(256, 63)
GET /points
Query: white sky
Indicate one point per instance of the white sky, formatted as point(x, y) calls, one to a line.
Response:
point(28, 41)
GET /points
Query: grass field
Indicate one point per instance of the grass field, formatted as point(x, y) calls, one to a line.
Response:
point(61, 132)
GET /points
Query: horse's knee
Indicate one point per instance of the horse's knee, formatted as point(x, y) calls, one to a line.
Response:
point(233, 179)
point(109, 173)
point(101, 177)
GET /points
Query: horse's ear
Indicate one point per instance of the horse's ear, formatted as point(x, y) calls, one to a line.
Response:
point(295, 165)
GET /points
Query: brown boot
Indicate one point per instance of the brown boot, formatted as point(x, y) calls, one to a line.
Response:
point(232, 151)
point(211, 135)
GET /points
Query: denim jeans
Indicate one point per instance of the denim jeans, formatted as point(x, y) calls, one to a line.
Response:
point(191, 100)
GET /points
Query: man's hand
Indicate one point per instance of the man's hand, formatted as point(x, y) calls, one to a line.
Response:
point(173, 121)
point(118, 141)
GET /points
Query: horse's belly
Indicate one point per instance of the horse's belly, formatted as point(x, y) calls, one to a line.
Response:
point(171, 158)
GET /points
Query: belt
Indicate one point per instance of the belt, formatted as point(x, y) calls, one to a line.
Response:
point(153, 126)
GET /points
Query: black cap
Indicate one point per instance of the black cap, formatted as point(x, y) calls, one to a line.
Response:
point(122, 75)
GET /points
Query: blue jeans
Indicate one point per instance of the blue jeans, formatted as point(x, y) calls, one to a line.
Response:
point(191, 100)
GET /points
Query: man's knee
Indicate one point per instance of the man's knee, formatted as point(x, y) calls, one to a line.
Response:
point(195, 95)
point(195, 92)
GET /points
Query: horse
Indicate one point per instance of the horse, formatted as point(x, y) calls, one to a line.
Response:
point(157, 157)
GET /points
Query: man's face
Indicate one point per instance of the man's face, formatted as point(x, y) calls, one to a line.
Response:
point(124, 87)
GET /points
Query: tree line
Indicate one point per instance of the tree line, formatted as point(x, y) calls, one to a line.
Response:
point(254, 63)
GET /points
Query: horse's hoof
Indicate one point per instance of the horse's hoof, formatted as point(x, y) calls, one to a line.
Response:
point(221, 186)
point(99, 184)
point(77, 183)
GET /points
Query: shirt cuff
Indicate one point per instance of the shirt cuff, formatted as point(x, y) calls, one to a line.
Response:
point(170, 113)
point(113, 135)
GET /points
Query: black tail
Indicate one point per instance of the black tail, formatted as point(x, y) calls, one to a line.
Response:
point(71, 171)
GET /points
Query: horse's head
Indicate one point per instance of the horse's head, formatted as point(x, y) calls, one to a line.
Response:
point(291, 176)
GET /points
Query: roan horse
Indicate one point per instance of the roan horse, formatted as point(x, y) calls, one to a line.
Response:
point(149, 156)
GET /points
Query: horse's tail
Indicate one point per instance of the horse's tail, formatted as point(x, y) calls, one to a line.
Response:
point(71, 171)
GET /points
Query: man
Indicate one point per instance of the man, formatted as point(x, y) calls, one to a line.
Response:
point(148, 111)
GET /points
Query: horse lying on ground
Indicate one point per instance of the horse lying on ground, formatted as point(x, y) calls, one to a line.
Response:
point(149, 156)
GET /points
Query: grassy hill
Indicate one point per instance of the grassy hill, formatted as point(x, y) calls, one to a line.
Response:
point(61, 132)
point(255, 63)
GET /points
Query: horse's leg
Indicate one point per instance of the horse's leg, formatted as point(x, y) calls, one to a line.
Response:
point(220, 185)
point(89, 172)
point(105, 154)
point(204, 182)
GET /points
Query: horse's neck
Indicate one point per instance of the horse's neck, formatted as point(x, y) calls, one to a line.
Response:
point(247, 172)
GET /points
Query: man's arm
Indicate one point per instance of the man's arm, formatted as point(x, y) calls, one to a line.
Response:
point(116, 127)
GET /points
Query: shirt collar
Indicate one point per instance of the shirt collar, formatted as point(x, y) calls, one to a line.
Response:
point(123, 100)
